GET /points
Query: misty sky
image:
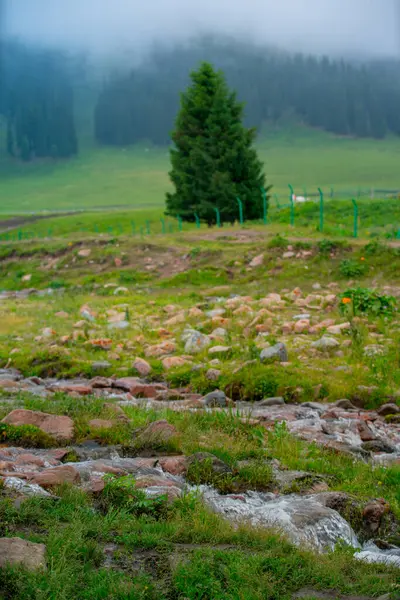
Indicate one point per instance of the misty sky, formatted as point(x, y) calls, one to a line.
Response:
point(370, 27)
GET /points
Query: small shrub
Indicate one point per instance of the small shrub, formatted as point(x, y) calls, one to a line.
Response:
point(252, 384)
point(122, 493)
point(365, 301)
point(352, 268)
point(27, 436)
point(328, 246)
point(278, 242)
point(374, 248)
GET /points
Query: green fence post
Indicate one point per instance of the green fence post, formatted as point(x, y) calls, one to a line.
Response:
point(20, 234)
point(179, 223)
point(148, 227)
point(355, 205)
point(196, 216)
point(265, 206)
point(291, 205)
point(133, 225)
point(321, 210)
point(49, 233)
point(162, 225)
point(218, 216)
point(110, 230)
point(240, 210)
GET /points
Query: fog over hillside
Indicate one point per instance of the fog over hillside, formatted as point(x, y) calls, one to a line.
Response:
point(368, 28)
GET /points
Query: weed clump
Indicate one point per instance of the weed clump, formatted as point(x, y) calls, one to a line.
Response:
point(122, 493)
point(364, 301)
point(352, 268)
point(26, 436)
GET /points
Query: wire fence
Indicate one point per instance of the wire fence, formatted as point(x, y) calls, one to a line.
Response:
point(372, 209)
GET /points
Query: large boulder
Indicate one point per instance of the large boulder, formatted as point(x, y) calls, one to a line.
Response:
point(59, 427)
point(274, 353)
point(16, 551)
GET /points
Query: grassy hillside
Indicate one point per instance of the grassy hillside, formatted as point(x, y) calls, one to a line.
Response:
point(137, 177)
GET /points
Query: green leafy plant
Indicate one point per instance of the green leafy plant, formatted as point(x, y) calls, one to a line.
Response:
point(352, 268)
point(122, 493)
point(326, 246)
point(364, 301)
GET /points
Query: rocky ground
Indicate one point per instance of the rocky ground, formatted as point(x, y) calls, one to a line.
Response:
point(182, 441)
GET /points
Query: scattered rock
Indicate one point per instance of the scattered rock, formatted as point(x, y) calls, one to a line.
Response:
point(59, 427)
point(388, 409)
point(175, 465)
point(345, 404)
point(213, 374)
point(141, 366)
point(215, 399)
point(16, 551)
point(56, 476)
point(302, 326)
point(374, 350)
point(257, 261)
point(215, 350)
point(277, 401)
point(325, 344)
point(173, 362)
point(195, 341)
point(160, 349)
point(277, 352)
point(378, 446)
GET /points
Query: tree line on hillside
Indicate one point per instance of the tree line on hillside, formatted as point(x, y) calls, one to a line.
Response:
point(344, 98)
point(36, 101)
point(37, 88)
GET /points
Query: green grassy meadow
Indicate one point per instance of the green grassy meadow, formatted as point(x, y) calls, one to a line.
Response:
point(137, 177)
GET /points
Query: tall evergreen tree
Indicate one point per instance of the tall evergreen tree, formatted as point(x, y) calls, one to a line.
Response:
point(213, 159)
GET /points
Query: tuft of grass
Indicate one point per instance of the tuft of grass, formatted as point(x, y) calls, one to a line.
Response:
point(26, 436)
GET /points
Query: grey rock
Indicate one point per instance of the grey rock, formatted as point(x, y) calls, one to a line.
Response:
point(100, 365)
point(374, 350)
point(388, 409)
point(345, 404)
point(213, 374)
point(314, 406)
point(325, 344)
point(277, 401)
point(277, 352)
point(215, 399)
point(378, 446)
point(14, 484)
point(195, 341)
point(306, 521)
point(118, 325)
point(286, 479)
point(301, 317)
